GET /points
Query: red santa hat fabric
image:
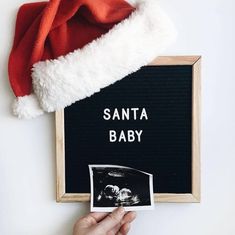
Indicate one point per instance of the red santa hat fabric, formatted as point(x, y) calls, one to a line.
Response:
point(65, 51)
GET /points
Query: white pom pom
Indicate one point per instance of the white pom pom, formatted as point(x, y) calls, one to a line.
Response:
point(27, 107)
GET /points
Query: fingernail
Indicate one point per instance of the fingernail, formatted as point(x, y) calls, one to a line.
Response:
point(121, 210)
point(134, 214)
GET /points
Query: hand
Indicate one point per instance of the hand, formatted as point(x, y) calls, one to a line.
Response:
point(115, 223)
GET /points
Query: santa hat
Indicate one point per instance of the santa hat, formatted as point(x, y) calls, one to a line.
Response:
point(65, 51)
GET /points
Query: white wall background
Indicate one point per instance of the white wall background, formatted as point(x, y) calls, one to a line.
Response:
point(27, 148)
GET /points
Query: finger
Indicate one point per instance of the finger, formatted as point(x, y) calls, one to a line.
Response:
point(98, 216)
point(115, 229)
point(112, 220)
point(125, 228)
point(91, 219)
point(126, 223)
point(129, 217)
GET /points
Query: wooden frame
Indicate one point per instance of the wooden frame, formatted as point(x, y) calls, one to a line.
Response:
point(195, 61)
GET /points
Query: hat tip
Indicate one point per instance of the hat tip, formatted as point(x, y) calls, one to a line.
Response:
point(26, 107)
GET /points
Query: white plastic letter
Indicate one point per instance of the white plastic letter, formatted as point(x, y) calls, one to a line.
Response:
point(112, 136)
point(106, 115)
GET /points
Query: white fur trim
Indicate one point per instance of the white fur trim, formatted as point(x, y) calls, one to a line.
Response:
point(129, 45)
point(26, 107)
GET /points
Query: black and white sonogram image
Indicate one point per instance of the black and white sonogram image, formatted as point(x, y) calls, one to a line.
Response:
point(113, 186)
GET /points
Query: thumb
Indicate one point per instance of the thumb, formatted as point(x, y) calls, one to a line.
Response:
point(112, 220)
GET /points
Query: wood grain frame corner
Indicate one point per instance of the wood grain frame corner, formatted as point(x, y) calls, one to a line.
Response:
point(195, 196)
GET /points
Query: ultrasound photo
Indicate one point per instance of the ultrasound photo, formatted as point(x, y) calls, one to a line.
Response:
point(113, 186)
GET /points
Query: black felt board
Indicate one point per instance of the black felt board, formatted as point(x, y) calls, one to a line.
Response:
point(165, 147)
